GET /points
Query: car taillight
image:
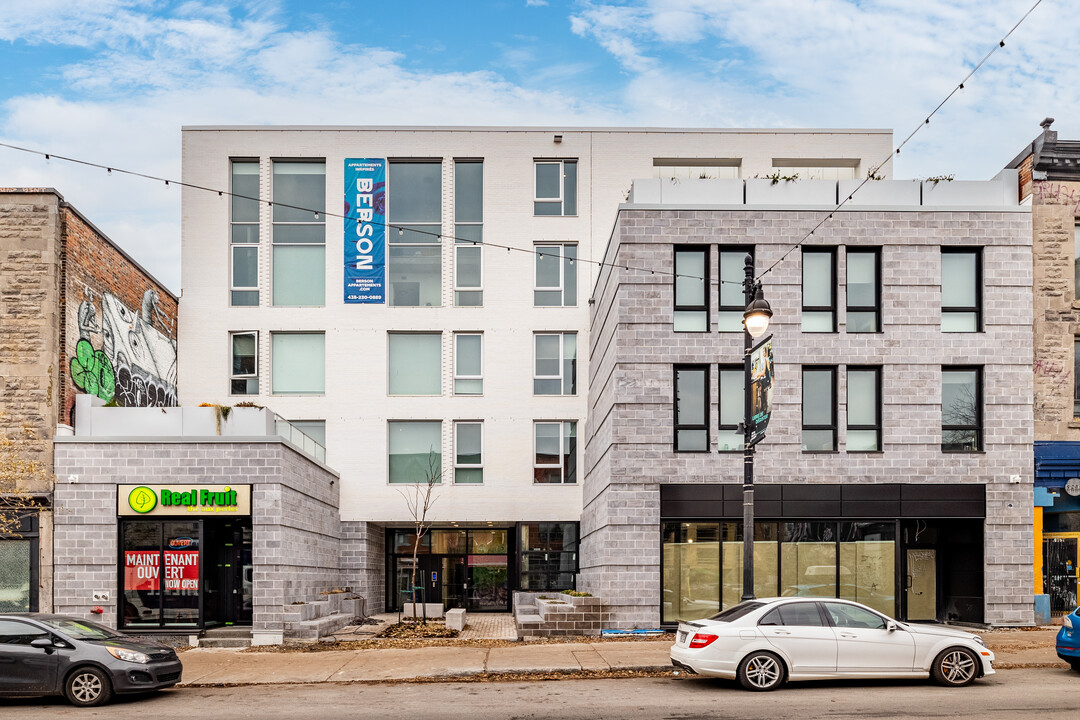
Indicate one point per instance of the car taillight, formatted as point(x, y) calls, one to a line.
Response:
point(700, 640)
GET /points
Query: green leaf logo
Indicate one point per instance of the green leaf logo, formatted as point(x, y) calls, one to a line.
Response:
point(142, 499)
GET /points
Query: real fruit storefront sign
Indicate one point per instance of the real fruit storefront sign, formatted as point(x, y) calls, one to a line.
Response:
point(150, 500)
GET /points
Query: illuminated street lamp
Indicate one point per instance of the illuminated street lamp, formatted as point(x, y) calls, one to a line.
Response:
point(755, 323)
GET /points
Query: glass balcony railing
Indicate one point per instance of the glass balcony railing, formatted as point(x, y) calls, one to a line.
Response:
point(308, 445)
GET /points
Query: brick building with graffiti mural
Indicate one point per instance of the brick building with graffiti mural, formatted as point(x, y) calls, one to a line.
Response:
point(77, 315)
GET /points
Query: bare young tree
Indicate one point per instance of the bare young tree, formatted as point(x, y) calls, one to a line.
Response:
point(21, 469)
point(419, 498)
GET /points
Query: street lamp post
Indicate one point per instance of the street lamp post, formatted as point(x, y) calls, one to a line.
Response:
point(755, 323)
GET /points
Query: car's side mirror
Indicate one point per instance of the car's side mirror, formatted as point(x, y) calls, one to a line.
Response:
point(890, 626)
point(43, 642)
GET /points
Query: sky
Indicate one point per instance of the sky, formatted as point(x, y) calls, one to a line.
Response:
point(114, 81)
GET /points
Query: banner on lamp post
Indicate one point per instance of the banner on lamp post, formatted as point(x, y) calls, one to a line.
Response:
point(365, 230)
point(761, 378)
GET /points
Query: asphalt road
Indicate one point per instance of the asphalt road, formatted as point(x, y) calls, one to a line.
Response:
point(1041, 693)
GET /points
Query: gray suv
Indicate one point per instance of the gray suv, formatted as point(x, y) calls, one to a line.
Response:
point(58, 655)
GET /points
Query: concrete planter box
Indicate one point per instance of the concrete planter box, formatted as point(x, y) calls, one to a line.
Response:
point(790, 192)
point(432, 610)
point(967, 192)
point(904, 193)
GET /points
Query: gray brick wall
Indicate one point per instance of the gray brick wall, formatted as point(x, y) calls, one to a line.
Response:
point(296, 534)
point(628, 449)
point(363, 549)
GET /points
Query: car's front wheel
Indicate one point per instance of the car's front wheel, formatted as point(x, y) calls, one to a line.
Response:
point(87, 687)
point(1075, 665)
point(955, 667)
point(761, 671)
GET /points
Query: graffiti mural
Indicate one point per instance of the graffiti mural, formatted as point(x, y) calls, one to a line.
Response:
point(134, 362)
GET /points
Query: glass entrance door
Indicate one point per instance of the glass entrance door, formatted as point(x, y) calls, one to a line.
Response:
point(921, 584)
point(1060, 573)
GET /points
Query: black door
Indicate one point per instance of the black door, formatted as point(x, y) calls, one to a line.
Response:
point(227, 600)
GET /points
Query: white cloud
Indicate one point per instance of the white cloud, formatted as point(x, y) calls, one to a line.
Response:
point(535, 3)
point(681, 63)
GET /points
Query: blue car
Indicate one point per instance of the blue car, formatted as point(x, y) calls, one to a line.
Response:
point(1068, 639)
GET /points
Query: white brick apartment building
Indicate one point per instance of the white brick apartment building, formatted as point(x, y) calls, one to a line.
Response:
point(470, 356)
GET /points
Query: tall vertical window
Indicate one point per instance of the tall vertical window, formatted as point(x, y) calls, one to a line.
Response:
point(729, 315)
point(732, 407)
point(298, 363)
point(819, 290)
point(961, 290)
point(555, 364)
point(691, 408)
point(863, 409)
point(819, 409)
point(961, 409)
point(863, 290)
point(691, 290)
point(1076, 261)
point(299, 234)
point(415, 207)
point(415, 452)
point(556, 276)
point(468, 452)
point(469, 233)
point(468, 364)
point(245, 364)
point(1076, 377)
point(556, 187)
point(414, 364)
point(555, 452)
point(244, 237)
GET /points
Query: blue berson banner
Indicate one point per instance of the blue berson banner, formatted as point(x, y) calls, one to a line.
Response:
point(365, 230)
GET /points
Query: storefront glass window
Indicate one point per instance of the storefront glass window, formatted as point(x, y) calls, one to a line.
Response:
point(142, 574)
point(181, 573)
point(808, 559)
point(765, 555)
point(691, 577)
point(548, 556)
point(447, 542)
point(868, 564)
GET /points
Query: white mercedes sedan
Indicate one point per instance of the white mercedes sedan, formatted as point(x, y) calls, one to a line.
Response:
point(763, 643)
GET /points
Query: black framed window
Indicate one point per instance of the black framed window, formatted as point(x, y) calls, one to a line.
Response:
point(819, 409)
point(19, 552)
point(819, 290)
point(691, 289)
point(731, 380)
point(1076, 377)
point(863, 409)
point(863, 290)
point(691, 408)
point(961, 409)
point(961, 290)
point(548, 555)
point(732, 305)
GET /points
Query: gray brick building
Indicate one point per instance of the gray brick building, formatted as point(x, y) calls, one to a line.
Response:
point(913, 298)
point(195, 565)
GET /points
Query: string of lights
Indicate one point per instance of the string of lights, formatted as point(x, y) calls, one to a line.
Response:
point(874, 171)
point(540, 253)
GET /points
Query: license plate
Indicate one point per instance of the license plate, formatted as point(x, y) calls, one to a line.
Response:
point(682, 637)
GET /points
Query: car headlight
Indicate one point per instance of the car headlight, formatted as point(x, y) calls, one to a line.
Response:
point(979, 640)
point(1067, 622)
point(128, 655)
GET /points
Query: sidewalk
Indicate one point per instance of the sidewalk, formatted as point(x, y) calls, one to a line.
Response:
point(1014, 649)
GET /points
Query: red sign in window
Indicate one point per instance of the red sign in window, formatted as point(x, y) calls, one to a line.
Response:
point(182, 570)
point(142, 570)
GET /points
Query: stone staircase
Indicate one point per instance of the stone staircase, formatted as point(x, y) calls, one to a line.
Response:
point(309, 622)
point(554, 614)
point(229, 636)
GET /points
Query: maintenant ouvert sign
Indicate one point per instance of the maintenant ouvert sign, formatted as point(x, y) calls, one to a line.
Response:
point(365, 231)
point(204, 500)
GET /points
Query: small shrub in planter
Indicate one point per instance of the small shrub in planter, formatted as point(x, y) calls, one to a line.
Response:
point(576, 593)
